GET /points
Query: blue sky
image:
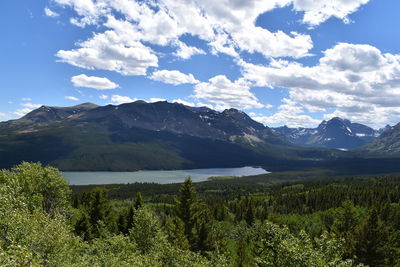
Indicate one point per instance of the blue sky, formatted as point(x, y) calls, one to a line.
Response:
point(293, 62)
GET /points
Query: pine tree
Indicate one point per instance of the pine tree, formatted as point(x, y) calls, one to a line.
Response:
point(122, 222)
point(250, 214)
point(373, 243)
point(344, 226)
point(176, 232)
point(138, 201)
point(202, 227)
point(83, 228)
point(100, 209)
point(184, 206)
point(129, 218)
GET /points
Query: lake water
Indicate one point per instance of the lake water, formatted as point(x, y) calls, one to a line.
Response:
point(162, 177)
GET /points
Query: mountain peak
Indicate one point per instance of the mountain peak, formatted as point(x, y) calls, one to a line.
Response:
point(334, 133)
point(86, 105)
point(49, 113)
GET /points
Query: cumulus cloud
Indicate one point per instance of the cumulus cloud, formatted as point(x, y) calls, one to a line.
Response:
point(357, 82)
point(72, 98)
point(316, 12)
point(227, 27)
point(119, 99)
point(183, 102)
point(49, 13)
point(88, 11)
point(31, 105)
point(22, 112)
point(111, 51)
point(156, 99)
point(103, 96)
point(289, 114)
point(99, 83)
point(27, 107)
point(354, 58)
point(174, 77)
point(185, 52)
point(224, 93)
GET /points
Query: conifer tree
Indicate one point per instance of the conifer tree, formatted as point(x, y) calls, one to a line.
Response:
point(138, 201)
point(129, 218)
point(184, 206)
point(373, 244)
point(345, 224)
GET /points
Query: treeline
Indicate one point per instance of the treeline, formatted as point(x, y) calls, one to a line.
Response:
point(43, 224)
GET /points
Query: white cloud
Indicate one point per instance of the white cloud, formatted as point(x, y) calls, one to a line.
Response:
point(25, 99)
point(224, 93)
point(183, 102)
point(27, 107)
point(185, 52)
point(289, 114)
point(103, 96)
point(119, 99)
point(99, 83)
point(22, 112)
point(226, 26)
point(268, 106)
point(357, 82)
point(174, 77)
point(112, 51)
point(87, 10)
point(156, 99)
point(2, 114)
point(354, 58)
point(49, 13)
point(277, 44)
point(72, 98)
point(316, 12)
point(31, 105)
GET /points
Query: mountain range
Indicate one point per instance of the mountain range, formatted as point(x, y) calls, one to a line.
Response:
point(143, 135)
point(336, 133)
point(164, 135)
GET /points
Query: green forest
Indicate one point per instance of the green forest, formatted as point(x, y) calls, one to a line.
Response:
point(307, 221)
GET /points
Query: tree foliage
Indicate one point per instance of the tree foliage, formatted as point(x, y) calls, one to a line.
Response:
point(305, 224)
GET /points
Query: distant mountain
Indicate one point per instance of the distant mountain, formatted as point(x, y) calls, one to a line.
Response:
point(180, 119)
point(142, 135)
point(381, 130)
point(388, 143)
point(335, 133)
point(46, 113)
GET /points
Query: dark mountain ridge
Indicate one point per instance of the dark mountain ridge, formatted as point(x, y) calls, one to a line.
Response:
point(179, 119)
point(142, 135)
point(47, 113)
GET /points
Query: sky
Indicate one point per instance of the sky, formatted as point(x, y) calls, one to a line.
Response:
point(283, 62)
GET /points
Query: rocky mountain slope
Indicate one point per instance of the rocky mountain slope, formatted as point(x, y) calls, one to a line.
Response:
point(388, 143)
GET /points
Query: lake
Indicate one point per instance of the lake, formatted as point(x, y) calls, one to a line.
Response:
point(162, 177)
